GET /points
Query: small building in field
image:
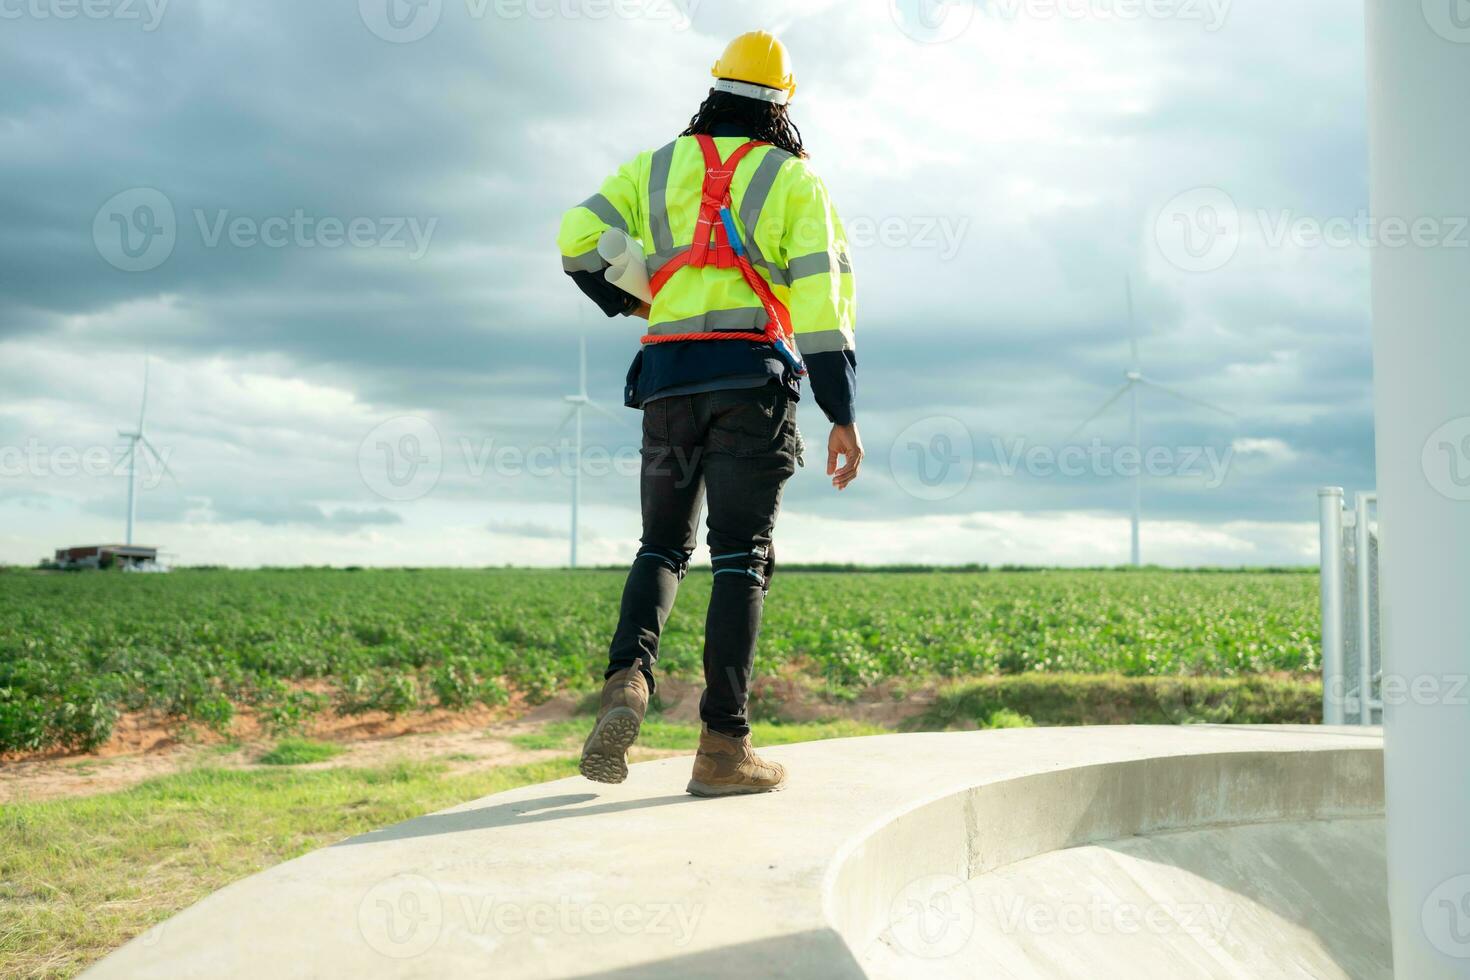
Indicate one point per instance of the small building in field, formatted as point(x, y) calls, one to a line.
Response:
point(125, 556)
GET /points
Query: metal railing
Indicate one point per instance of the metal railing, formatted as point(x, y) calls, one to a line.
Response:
point(1352, 655)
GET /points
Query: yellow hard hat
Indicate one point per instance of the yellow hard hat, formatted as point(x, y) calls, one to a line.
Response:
point(761, 62)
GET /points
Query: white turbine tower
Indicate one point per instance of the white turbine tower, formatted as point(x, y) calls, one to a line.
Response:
point(1133, 379)
point(579, 402)
point(135, 439)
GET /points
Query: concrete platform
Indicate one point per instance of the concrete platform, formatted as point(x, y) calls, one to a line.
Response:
point(877, 839)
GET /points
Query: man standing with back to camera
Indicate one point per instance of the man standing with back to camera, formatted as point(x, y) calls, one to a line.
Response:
point(752, 291)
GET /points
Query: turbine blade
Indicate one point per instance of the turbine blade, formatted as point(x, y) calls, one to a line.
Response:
point(143, 407)
point(1105, 406)
point(1186, 398)
point(605, 413)
point(568, 417)
point(1132, 324)
point(582, 365)
point(159, 456)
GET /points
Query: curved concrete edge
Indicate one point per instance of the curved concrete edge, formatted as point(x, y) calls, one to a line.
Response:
point(971, 833)
point(1282, 898)
point(572, 878)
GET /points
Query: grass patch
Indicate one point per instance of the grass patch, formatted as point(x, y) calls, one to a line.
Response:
point(555, 735)
point(1092, 699)
point(299, 752)
point(79, 877)
point(659, 734)
point(1006, 718)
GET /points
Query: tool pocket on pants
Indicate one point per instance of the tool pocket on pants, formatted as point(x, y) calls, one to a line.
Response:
point(749, 421)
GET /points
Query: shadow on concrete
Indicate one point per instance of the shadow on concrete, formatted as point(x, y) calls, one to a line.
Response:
point(547, 808)
point(816, 954)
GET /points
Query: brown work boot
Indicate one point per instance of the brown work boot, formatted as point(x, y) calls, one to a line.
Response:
point(619, 716)
point(726, 765)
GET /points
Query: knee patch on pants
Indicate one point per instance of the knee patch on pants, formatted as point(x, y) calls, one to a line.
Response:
point(676, 559)
point(757, 563)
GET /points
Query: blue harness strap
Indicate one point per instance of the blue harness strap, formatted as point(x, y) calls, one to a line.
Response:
point(737, 245)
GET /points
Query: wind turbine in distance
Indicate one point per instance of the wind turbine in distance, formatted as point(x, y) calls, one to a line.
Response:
point(579, 402)
point(1133, 380)
point(136, 438)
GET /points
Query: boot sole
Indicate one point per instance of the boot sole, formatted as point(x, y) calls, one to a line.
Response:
point(697, 788)
point(605, 753)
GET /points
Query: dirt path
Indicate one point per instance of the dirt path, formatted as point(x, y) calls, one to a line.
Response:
point(144, 747)
point(45, 779)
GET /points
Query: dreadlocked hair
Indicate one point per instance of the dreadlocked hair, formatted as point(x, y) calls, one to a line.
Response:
point(765, 121)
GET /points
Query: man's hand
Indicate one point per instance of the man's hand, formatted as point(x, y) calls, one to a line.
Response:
point(846, 443)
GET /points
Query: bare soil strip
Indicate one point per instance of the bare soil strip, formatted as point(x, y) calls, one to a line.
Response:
point(144, 747)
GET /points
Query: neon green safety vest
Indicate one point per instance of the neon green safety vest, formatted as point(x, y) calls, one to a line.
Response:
point(798, 245)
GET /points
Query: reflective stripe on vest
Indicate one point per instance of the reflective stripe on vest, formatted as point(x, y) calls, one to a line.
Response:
point(746, 319)
point(605, 212)
point(751, 204)
point(658, 188)
point(755, 199)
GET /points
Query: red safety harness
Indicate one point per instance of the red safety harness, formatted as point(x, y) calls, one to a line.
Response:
point(717, 243)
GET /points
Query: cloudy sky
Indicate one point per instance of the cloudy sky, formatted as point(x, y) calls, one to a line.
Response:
point(330, 226)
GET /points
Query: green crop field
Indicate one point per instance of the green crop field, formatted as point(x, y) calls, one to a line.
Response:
point(78, 649)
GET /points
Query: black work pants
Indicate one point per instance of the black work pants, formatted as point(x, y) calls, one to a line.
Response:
point(737, 446)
